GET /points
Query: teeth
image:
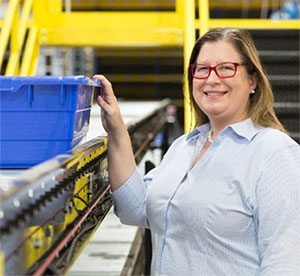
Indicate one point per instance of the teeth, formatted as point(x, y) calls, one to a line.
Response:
point(214, 93)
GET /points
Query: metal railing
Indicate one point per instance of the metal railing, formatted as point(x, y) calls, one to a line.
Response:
point(13, 33)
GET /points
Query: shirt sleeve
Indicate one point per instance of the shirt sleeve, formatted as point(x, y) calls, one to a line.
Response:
point(278, 213)
point(130, 199)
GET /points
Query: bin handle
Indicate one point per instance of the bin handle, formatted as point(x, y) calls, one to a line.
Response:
point(30, 94)
point(63, 95)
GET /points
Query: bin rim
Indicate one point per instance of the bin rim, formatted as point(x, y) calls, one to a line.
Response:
point(14, 83)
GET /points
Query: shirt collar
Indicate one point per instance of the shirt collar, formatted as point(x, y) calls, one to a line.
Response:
point(197, 131)
point(245, 129)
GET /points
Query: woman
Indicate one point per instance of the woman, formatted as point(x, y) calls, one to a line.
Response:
point(225, 199)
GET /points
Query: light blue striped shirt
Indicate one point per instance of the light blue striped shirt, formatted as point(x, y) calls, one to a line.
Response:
point(235, 212)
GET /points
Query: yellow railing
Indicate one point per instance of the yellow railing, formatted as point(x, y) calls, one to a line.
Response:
point(109, 29)
point(31, 54)
point(7, 26)
point(17, 39)
point(189, 40)
point(127, 5)
point(14, 32)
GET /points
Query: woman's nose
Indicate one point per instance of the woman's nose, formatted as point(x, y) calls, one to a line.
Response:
point(213, 76)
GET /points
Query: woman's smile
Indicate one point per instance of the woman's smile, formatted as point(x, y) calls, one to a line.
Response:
point(214, 94)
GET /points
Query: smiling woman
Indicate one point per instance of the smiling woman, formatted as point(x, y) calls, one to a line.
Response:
point(236, 47)
point(222, 88)
point(225, 198)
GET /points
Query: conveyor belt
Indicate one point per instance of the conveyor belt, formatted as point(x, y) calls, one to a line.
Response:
point(49, 212)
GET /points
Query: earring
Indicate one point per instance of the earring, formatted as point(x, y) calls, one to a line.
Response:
point(253, 91)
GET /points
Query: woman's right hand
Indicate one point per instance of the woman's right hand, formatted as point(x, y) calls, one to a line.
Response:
point(110, 112)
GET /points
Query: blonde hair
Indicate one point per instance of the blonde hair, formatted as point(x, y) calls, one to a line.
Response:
point(261, 102)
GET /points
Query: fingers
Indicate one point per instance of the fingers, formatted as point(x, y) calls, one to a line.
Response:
point(110, 113)
point(107, 91)
point(107, 100)
point(102, 103)
point(104, 81)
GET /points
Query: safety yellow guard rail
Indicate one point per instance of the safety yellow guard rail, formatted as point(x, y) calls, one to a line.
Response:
point(7, 26)
point(14, 28)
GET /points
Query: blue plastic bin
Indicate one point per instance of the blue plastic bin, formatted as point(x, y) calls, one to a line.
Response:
point(42, 117)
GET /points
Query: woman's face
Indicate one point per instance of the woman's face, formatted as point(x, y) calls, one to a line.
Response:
point(223, 100)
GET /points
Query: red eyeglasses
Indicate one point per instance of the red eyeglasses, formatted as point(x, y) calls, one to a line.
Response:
point(223, 70)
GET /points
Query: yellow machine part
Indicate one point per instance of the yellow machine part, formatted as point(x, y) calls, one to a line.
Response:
point(1, 264)
point(82, 160)
point(81, 191)
point(39, 242)
point(92, 155)
point(42, 237)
